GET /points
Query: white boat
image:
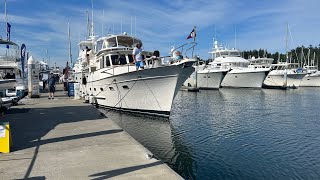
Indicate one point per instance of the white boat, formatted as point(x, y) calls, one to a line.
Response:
point(211, 76)
point(284, 74)
point(115, 83)
point(240, 74)
point(312, 79)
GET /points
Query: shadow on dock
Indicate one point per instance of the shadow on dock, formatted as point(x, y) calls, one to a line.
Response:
point(117, 172)
point(28, 126)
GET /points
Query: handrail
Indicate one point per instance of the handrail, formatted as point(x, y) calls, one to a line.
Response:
point(194, 44)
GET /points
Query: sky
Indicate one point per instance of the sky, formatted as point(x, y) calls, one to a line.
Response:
point(248, 24)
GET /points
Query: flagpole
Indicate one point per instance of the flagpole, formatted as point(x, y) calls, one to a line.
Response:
point(194, 39)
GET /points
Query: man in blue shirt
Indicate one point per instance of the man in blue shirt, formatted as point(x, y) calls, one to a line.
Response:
point(51, 83)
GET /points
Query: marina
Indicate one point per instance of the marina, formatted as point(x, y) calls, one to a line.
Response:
point(177, 90)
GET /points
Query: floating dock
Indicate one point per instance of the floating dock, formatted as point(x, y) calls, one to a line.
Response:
point(67, 139)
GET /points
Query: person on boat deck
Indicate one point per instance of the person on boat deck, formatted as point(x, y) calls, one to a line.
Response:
point(137, 56)
point(52, 83)
point(178, 57)
point(84, 83)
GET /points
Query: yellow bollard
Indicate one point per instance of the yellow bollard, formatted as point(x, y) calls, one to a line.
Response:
point(5, 138)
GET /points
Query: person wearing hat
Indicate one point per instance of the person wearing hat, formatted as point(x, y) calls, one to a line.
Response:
point(51, 83)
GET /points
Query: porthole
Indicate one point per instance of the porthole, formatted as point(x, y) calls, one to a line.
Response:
point(111, 88)
point(101, 89)
point(90, 89)
point(125, 87)
point(94, 89)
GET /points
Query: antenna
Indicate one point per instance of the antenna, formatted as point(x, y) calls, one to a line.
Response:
point(131, 25)
point(88, 24)
point(69, 39)
point(121, 26)
point(102, 33)
point(135, 25)
point(92, 27)
point(235, 37)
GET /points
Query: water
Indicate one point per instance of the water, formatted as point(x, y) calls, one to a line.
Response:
point(235, 134)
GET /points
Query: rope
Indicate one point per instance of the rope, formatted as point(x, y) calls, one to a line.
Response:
point(153, 95)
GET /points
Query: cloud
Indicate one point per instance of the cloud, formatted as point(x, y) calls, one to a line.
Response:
point(162, 24)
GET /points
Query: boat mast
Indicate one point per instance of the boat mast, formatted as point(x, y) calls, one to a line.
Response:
point(287, 55)
point(314, 58)
point(309, 57)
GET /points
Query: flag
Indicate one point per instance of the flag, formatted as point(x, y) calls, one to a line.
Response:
point(8, 33)
point(192, 34)
point(23, 56)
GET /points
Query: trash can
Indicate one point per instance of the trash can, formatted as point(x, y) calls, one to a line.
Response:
point(70, 89)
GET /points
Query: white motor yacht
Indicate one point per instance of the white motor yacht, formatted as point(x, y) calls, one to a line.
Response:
point(114, 82)
point(240, 74)
point(284, 74)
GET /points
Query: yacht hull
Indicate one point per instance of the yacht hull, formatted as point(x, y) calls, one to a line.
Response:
point(149, 91)
point(210, 80)
point(310, 81)
point(277, 80)
point(244, 80)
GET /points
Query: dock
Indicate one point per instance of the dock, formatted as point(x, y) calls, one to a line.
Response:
point(68, 139)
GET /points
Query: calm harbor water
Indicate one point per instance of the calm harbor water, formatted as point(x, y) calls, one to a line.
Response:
point(235, 134)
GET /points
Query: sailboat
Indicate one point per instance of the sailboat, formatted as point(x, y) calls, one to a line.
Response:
point(312, 79)
point(286, 74)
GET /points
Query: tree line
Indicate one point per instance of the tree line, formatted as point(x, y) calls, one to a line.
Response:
point(302, 55)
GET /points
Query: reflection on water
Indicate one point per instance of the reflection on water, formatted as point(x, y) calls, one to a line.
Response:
point(235, 134)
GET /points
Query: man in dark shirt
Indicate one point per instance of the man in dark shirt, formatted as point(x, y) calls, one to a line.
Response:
point(51, 83)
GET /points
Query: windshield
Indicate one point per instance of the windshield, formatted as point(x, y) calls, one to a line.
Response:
point(127, 41)
point(234, 53)
point(9, 52)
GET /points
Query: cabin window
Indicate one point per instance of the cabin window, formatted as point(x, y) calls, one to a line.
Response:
point(99, 45)
point(107, 60)
point(122, 60)
point(115, 59)
point(130, 58)
point(111, 88)
point(111, 42)
point(102, 62)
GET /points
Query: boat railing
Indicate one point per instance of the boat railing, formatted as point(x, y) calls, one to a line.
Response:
point(182, 47)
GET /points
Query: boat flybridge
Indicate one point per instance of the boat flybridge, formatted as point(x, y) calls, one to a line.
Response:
point(240, 73)
point(114, 82)
point(8, 64)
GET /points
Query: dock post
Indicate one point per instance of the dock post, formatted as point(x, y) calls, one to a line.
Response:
point(33, 79)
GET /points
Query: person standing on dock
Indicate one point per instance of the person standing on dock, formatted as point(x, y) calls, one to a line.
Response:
point(51, 83)
point(137, 56)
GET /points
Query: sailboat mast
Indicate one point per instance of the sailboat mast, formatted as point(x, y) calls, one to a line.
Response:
point(309, 57)
point(6, 16)
point(287, 41)
point(314, 58)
